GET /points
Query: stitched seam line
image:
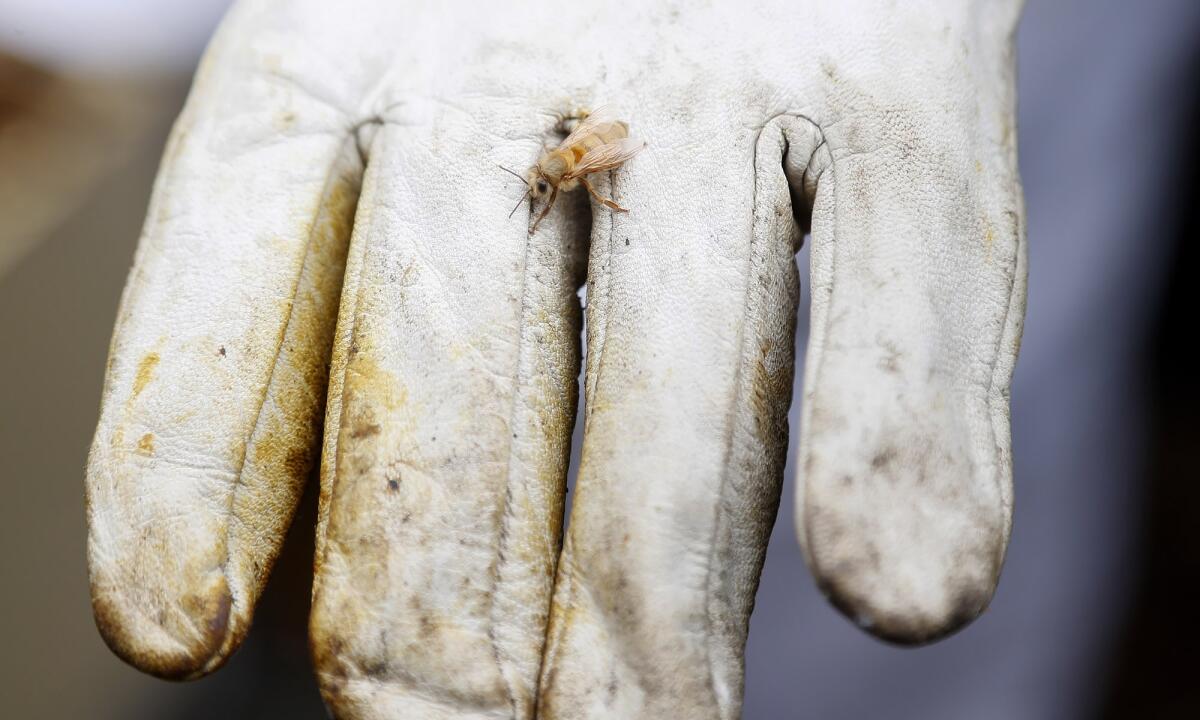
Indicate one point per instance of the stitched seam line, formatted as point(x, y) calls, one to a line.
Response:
point(602, 339)
point(506, 511)
point(815, 360)
point(351, 317)
point(735, 403)
point(1008, 330)
point(738, 393)
point(553, 645)
point(238, 479)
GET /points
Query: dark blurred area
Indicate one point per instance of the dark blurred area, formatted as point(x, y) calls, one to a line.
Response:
point(1092, 618)
point(1153, 673)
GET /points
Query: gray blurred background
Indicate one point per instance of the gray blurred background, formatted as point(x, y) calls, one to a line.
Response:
point(1092, 618)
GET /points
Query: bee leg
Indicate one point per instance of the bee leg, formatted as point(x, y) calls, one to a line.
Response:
point(602, 200)
point(545, 211)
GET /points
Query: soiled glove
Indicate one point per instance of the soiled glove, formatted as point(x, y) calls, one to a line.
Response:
point(329, 238)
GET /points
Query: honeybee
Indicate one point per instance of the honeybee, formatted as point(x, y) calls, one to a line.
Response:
point(599, 142)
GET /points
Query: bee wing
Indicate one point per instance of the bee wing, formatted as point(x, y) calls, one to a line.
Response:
point(607, 156)
point(600, 116)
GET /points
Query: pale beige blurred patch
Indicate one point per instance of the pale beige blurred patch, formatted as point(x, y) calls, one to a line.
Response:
point(59, 137)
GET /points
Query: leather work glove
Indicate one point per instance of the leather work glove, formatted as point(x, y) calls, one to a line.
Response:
point(329, 239)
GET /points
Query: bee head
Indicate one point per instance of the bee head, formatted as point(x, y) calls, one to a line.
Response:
point(538, 184)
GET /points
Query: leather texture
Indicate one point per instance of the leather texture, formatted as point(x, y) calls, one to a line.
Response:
point(330, 208)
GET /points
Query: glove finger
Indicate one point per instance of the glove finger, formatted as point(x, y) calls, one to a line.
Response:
point(448, 431)
point(219, 357)
point(691, 310)
point(918, 273)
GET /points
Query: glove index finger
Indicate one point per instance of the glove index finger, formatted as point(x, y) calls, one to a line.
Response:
point(218, 363)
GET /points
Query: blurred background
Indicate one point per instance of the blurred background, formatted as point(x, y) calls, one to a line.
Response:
point(1092, 617)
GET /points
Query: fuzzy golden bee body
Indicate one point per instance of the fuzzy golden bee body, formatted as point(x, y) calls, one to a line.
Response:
point(597, 143)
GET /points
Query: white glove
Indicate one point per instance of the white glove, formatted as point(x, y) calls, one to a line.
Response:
point(440, 588)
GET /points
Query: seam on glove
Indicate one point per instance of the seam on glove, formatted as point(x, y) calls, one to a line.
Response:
point(323, 540)
point(600, 300)
point(818, 331)
point(235, 589)
point(363, 133)
point(1010, 333)
point(506, 512)
point(760, 227)
point(597, 303)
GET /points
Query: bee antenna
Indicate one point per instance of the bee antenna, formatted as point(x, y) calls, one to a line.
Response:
point(514, 174)
point(519, 203)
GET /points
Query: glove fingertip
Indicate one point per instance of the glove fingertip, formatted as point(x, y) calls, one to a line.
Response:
point(159, 647)
point(908, 572)
point(915, 625)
